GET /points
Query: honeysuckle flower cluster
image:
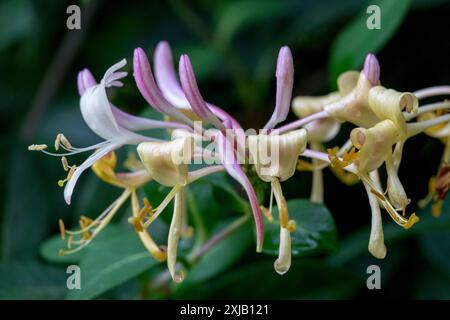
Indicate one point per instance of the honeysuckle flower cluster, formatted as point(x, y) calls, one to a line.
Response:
point(384, 120)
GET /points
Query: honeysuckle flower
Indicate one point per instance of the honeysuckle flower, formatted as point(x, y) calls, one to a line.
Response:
point(166, 78)
point(375, 148)
point(104, 119)
point(105, 168)
point(275, 159)
point(167, 163)
point(354, 106)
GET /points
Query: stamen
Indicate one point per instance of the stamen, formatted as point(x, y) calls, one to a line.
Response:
point(347, 157)
point(400, 220)
point(303, 165)
point(281, 203)
point(69, 242)
point(62, 229)
point(61, 140)
point(266, 213)
point(157, 211)
point(138, 219)
point(87, 224)
point(65, 163)
point(37, 147)
point(292, 226)
point(157, 252)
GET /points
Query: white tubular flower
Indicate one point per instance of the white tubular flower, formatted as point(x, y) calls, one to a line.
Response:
point(275, 159)
point(106, 120)
point(321, 130)
point(167, 162)
point(276, 155)
point(376, 241)
point(375, 144)
point(375, 148)
point(353, 106)
point(390, 104)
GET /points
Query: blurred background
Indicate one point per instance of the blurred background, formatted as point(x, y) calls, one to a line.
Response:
point(233, 46)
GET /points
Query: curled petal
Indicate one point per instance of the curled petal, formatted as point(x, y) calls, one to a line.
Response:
point(193, 95)
point(285, 82)
point(283, 262)
point(68, 190)
point(96, 110)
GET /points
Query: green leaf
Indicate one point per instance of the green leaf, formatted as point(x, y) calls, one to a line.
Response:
point(31, 280)
point(355, 41)
point(50, 248)
point(110, 263)
point(315, 233)
point(18, 21)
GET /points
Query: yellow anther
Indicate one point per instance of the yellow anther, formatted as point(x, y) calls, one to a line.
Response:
point(61, 252)
point(69, 242)
point(436, 209)
point(283, 214)
point(346, 177)
point(303, 165)
point(87, 235)
point(266, 213)
point(62, 229)
point(347, 158)
point(37, 147)
point(136, 222)
point(62, 140)
point(413, 219)
point(291, 226)
point(65, 164)
point(378, 195)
